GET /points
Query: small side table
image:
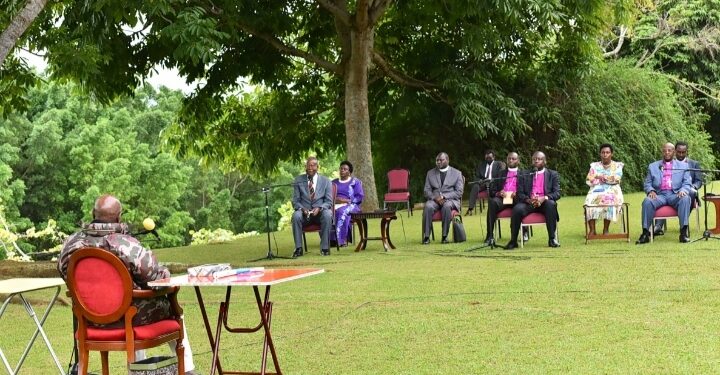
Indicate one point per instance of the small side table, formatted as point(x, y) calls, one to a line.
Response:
point(624, 219)
point(715, 200)
point(13, 287)
point(361, 218)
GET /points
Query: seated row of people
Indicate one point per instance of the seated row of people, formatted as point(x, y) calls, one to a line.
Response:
point(672, 181)
point(668, 182)
point(523, 191)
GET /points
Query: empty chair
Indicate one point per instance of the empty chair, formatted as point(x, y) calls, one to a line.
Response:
point(398, 188)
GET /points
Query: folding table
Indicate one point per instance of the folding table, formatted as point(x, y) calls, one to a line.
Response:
point(267, 278)
point(13, 287)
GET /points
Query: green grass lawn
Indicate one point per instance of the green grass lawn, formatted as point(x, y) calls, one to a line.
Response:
point(605, 307)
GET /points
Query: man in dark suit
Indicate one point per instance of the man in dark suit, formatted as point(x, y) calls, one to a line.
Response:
point(666, 184)
point(487, 169)
point(537, 192)
point(681, 154)
point(503, 189)
point(443, 191)
point(312, 201)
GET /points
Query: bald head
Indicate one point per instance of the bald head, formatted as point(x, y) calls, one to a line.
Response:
point(107, 209)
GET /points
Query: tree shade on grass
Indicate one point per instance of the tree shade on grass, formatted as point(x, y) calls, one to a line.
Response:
point(607, 307)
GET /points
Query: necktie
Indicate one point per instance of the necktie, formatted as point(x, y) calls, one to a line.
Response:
point(311, 189)
point(487, 170)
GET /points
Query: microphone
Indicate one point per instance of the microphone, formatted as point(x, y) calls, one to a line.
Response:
point(149, 226)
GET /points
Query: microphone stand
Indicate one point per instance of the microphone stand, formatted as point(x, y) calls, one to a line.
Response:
point(706, 234)
point(266, 191)
point(487, 182)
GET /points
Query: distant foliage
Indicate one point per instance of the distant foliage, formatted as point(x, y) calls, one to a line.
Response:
point(206, 236)
point(635, 110)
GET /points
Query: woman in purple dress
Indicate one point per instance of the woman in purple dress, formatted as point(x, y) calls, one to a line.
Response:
point(349, 197)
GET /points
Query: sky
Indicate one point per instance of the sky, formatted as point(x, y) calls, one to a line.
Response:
point(164, 77)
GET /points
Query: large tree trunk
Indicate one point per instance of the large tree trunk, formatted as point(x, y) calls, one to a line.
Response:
point(357, 114)
point(18, 25)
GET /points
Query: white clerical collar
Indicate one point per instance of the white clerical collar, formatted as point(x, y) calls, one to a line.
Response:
point(444, 169)
point(540, 171)
point(513, 169)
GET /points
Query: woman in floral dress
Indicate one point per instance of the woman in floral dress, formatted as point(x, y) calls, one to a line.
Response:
point(604, 181)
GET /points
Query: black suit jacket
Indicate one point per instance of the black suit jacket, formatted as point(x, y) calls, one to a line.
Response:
point(480, 170)
point(552, 185)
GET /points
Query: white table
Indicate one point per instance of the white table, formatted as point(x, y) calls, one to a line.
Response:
point(266, 278)
point(13, 287)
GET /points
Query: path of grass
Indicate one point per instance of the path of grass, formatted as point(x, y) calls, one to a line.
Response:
point(606, 307)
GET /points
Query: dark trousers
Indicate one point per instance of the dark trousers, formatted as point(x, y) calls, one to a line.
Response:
point(430, 207)
point(324, 218)
point(476, 188)
point(520, 210)
point(495, 205)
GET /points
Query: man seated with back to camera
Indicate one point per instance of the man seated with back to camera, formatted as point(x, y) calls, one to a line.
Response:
point(681, 154)
point(503, 187)
point(537, 192)
point(107, 232)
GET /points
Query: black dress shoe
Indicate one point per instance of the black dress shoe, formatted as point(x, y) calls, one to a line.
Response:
point(444, 240)
point(489, 242)
point(426, 240)
point(324, 252)
point(511, 245)
point(684, 234)
point(469, 212)
point(644, 238)
point(553, 243)
point(658, 232)
point(298, 252)
point(526, 236)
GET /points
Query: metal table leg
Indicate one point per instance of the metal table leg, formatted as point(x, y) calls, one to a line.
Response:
point(39, 330)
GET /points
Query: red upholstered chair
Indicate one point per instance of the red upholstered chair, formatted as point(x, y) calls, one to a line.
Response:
point(504, 214)
point(398, 188)
point(102, 291)
point(669, 212)
point(534, 218)
point(316, 227)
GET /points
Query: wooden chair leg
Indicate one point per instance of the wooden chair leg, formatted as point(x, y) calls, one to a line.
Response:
point(105, 366)
point(83, 362)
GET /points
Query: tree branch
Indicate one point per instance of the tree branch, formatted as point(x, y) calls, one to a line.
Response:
point(378, 9)
point(293, 51)
point(18, 25)
point(399, 76)
point(621, 39)
point(340, 14)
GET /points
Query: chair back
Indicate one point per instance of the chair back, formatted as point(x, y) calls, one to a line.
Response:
point(99, 284)
point(398, 180)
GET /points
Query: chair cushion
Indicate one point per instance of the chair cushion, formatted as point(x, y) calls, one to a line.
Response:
point(397, 197)
point(99, 286)
point(666, 211)
point(534, 218)
point(148, 331)
point(311, 228)
point(437, 216)
point(504, 213)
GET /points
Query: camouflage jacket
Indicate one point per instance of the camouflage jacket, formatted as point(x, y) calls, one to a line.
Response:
point(141, 263)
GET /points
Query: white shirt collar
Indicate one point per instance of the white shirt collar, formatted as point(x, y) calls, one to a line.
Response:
point(513, 169)
point(541, 171)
